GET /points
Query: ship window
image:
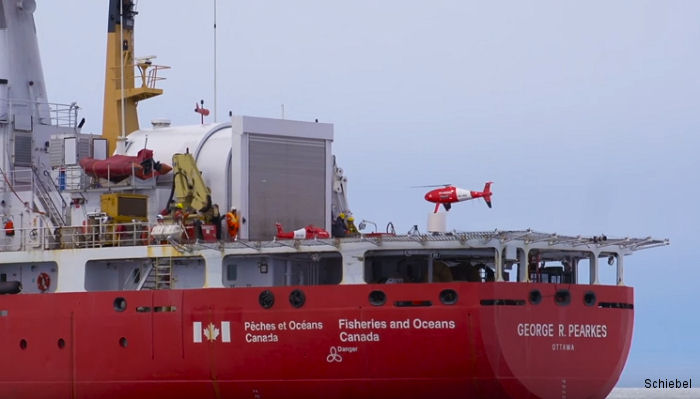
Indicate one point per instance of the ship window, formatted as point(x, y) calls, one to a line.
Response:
point(140, 273)
point(396, 269)
point(324, 268)
point(232, 272)
point(553, 266)
point(3, 277)
point(397, 266)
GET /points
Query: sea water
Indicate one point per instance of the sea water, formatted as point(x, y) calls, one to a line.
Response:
point(646, 393)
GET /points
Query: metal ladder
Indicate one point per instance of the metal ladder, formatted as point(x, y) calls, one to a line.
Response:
point(43, 193)
point(160, 276)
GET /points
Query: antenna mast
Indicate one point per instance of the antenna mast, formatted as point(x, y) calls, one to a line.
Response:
point(121, 97)
point(122, 135)
point(215, 103)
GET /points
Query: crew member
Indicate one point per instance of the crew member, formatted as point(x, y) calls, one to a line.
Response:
point(338, 228)
point(351, 225)
point(233, 224)
point(179, 214)
point(216, 220)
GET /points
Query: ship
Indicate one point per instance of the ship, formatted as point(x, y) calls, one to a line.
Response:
point(119, 279)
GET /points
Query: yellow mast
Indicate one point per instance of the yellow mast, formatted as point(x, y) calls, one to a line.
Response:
point(120, 117)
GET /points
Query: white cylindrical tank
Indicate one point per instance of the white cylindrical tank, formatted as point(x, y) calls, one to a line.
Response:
point(210, 145)
point(437, 222)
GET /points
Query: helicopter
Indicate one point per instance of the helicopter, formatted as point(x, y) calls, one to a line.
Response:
point(448, 194)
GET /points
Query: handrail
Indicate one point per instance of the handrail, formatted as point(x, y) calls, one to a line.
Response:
point(56, 187)
point(144, 277)
point(140, 233)
point(126, 285)
point(62, 115)
point(45, 197)
point(149, 80)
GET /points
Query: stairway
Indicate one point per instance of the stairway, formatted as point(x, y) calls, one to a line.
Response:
point(160, 277)
point(43, 191)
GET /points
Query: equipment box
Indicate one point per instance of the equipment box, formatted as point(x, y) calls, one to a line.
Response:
point(124, 208)
point(208, 233)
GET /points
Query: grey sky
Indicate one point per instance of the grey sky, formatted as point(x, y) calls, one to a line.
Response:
point(584, 114)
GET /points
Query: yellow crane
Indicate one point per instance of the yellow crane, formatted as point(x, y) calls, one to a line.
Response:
point(189, 188)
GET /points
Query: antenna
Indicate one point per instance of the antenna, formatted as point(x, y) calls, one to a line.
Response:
point(121, 76)
point(215, 107)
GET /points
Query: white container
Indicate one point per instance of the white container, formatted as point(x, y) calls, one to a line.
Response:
point(437, 222)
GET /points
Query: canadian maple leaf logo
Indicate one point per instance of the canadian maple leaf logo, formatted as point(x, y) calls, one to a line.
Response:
point(211, 332)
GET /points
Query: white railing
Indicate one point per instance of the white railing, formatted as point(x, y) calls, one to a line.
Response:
point(62, 115)
point(17, 180)
point(88, 236)
point(97, 235)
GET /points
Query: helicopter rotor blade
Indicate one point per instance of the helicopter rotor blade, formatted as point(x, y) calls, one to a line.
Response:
point(432, 185)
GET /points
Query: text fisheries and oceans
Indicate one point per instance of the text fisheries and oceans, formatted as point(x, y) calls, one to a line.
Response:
point(348, 327)
point(354, 324)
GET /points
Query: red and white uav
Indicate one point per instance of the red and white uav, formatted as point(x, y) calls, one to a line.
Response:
point(448, 194)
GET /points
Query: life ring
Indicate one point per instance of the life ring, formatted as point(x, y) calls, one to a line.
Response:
point(43, 282)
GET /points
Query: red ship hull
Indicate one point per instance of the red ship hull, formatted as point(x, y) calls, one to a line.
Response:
point(493, 342)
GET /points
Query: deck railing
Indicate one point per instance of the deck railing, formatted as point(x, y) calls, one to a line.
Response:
point(54, 114)
point(108, 234)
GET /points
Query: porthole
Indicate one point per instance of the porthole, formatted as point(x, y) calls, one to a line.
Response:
point(448, 296)
point(23, 344)
point(535, 297)
point(266, 299)
point(297, 298)
point(119, 304)
point(562, 297)
point(377, 298)
point(589, 298)
point(123, 342)
point(61, 343)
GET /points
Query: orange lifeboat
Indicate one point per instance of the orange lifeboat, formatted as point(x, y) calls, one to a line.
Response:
point(118, 167)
